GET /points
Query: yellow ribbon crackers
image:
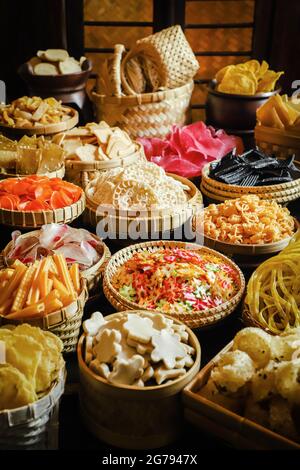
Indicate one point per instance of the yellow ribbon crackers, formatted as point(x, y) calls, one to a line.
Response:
point(248, 78)
point(279, 112)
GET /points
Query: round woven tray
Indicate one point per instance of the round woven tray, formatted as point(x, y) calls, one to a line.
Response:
point(193, 320)
point(92, 275)
point(59, 173)
point(146, 114)
point(164, 219)
point(249, 250)
point(292, 193)
point(64, 323)
point(81, 173)
point(47, 129)
point(232, 188)
point(30, 220)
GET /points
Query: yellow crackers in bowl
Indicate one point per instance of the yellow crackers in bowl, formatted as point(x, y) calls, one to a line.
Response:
point(248, 78)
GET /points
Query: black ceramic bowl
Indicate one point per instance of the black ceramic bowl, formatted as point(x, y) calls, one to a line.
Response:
point(230, 111)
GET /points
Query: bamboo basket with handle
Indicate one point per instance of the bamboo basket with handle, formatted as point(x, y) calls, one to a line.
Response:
point(129, 416)
point(170, 55)
point(35, 219)
point(64, 323)
point(147, 114)
point(92, 275)
point(82, 173)
point(35, 426)
point(199, 319)
point(280, 142)
point(210, 417)
point(162, 220)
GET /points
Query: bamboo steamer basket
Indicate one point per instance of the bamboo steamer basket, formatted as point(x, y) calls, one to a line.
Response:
point(194, 320)
point(35, 219)
point(280, 142)
point(59, 173)
point(146, 114)
point(35, 426)
point(128, 416)
point(224, 424)
point(82, 173)
point(218, 191)
point(64, 323)
point(170, 54)
point(47, 129)
point(92, 275)
point(160, 221)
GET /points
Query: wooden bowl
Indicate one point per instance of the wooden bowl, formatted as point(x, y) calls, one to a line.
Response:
point(198, 319)
point(128, 416)
point(232, 111)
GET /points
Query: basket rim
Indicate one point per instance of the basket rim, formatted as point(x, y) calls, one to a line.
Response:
point(152, 388)
point(47, 128)
point(153, 97)
point(264, 94)
point(280, 132)
point(234, 187)
point(49, 174)
point(90, 205)
point(101, 165)
point(207, 313)
point(74, 204)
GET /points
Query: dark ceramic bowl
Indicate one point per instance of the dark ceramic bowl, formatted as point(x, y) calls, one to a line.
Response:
point(230, 111)
point(54, 85)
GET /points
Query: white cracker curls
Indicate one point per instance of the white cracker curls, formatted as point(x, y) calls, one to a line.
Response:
point(108, 345)
point(167, 348)
point(127, 372)
point(161, 374)
point(139, 328)
point(93, 324)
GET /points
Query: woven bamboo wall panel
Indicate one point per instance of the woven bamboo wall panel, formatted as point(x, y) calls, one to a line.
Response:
point(107, 36)
point(210, 65)
point(118, 10)
point(199, 93)
point(220, 39)
point(219, 11)
point(198, 115)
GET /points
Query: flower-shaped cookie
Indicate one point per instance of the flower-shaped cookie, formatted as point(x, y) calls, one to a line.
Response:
point(127, 372)
point(167, 348)
point(108, 346)
point(139, 328)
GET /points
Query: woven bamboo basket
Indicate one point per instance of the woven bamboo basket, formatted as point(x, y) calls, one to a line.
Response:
point(35, 426)
point(199, 319)
point(279, 142)
point(171, 56)
point(82, 173)
point(163, 220)
point(218, 191)
point(64, 323)
point(132, 417)
point(226, 425)
point(59, 173)
point(147, 114)
point(47, 129)
point(92, 275)
point(31, 220)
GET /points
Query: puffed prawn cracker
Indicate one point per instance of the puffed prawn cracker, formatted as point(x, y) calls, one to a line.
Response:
point(256, 343)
